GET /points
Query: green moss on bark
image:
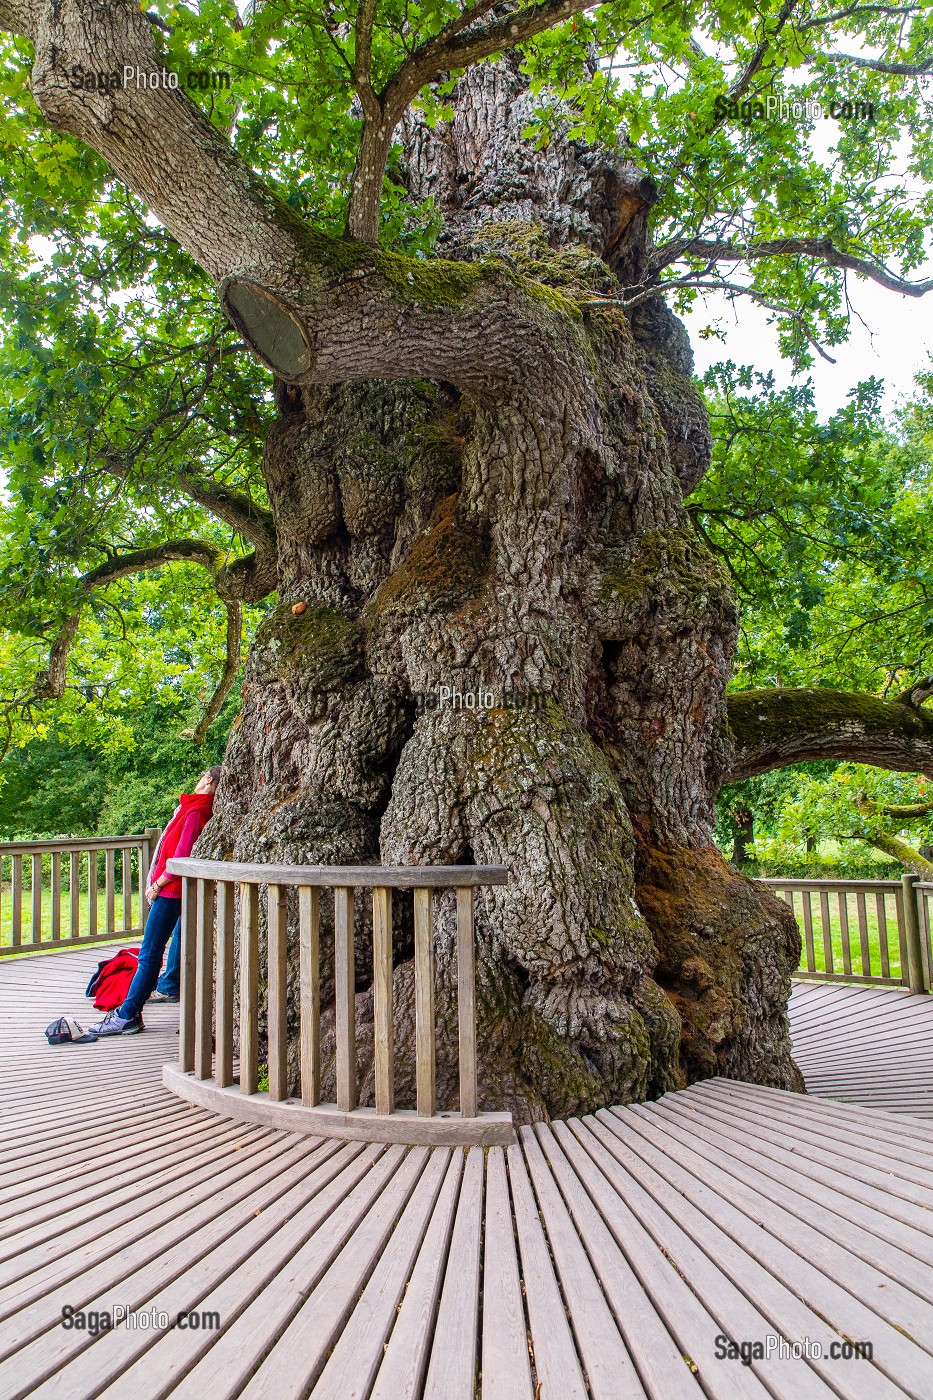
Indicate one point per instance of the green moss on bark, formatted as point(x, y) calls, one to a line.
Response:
point(321, 648)
point(661, 557)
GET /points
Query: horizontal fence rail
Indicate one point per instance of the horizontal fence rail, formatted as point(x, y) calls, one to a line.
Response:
point(73, 891)
point(221, 905)
point(870, 931)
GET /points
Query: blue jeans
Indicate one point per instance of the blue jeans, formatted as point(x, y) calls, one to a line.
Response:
point(163, 916)
point(169, 984)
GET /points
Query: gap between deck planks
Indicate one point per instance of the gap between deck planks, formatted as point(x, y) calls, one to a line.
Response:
point(600, 1257)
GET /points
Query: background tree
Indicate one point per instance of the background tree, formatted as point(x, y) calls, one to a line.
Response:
point(476, 464)
point(887, 812)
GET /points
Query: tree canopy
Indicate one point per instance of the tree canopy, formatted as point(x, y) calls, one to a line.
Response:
point(136, 531)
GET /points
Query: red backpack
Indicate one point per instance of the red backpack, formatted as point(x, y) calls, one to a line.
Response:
point(111, 981)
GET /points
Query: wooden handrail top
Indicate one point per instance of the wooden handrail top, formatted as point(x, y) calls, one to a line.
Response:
point(341, 876)
point(856, 886)
point(71, 843)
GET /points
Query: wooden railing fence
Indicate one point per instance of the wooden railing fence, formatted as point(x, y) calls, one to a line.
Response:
point(51, 891)
point(221, 898)
point(871, 931)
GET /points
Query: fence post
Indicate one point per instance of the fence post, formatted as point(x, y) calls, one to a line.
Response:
point(151, 837)
point(189, 924)
point(912, 944)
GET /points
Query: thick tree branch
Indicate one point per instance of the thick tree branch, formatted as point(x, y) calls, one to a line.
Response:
point(883, 65)
point(253, 522)
point(916, 693)
point(775, 728)
point(363, 57)
point(456, 46)
point(713, 251)
point(910, 812)
point(315, 309)
point(136, 561)
point(902, 851)
point(467, 39)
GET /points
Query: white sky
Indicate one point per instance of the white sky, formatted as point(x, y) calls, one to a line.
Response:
point(895, 342)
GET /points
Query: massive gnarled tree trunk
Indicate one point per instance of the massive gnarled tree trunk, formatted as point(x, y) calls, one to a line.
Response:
point(477, 484)
point(518, 536)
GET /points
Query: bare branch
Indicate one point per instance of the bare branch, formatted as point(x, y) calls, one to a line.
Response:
point(742, 82)
point(819, 21)
point(643, 293)
point(882, 65)
point(821, 248)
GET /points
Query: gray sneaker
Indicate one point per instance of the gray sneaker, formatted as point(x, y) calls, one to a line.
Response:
point(114, 1024)
point(163, 996)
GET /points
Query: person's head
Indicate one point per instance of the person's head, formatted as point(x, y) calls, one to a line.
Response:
point(209, 779)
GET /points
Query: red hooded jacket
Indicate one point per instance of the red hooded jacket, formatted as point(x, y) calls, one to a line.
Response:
point(191, 816)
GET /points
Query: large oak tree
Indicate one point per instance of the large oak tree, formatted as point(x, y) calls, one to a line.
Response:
point(478, 473)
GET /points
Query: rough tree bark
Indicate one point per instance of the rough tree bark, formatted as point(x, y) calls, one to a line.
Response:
point(522, 538)
point(476, 482)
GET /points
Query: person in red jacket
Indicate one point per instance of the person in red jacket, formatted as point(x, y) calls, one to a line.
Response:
point(164, 896)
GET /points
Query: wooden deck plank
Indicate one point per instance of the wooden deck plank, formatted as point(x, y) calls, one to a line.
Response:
point(609, 1369)
point(647, 1296)
point(680, 1228)
point(869, 1247)
point(405, 1360)
point(151, 1236)
point(910, 1227)
point(452, 1363)
point(557, 1365)
point(133, 1276)
point(762, 1235)
point(302, 1346)
point(352, 1365)
point(234, 1357)
point(230, 1281)
point(504, 1364)
point(868, 1045)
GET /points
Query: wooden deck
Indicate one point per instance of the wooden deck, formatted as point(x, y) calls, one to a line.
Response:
point(597, 1258)
point(867, 1045)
